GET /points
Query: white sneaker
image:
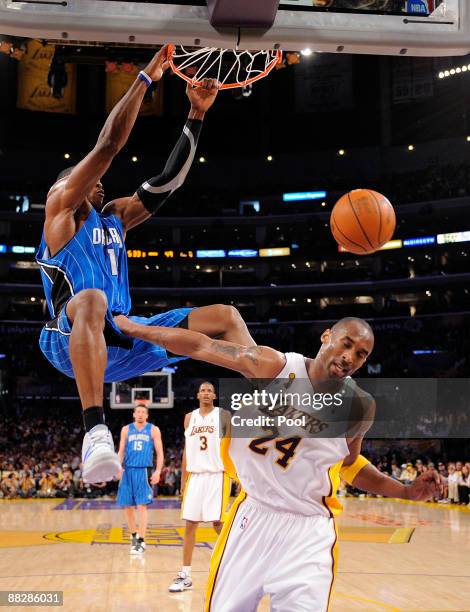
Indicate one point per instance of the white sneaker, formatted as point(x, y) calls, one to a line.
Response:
point(134, 541)
point(139, 548)
point(100, 461)
point(180, 583)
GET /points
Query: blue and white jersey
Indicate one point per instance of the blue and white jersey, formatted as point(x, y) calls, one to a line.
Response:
point(95, 258)
point(139, 447)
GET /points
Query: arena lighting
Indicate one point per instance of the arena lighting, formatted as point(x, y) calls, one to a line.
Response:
point(391, 244)
point(453, 237)
point(243, 253)
point(303, 195)
point(269, 158)
point(211, 253)
point(410, 242)
point(66, 155)
point(306, 52)
point(134, 158)
point(341, 152)
point(3, 248)
point(411, 148)
point(427, 352)
point(22, 249)
point(202, 160)
point(276, 252)
point(444, 74)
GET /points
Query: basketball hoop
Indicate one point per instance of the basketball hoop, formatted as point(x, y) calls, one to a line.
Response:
point(231, 67)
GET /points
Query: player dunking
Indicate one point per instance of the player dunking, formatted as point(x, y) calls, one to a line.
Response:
point(83, 264)
point(206, 487)
point(138, 442)
point(280, 536)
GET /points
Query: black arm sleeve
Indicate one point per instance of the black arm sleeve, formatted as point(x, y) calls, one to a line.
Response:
point(154, 192)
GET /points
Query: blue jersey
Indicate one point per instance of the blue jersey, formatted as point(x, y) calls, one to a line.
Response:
point(139, 447)
point(95, 258)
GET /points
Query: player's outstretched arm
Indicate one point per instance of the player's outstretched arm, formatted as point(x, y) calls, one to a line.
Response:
point(371, 480)
point(252, 361)
point(70, 193)
point(152, 194)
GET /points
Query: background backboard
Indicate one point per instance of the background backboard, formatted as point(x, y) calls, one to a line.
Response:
point(401, 28)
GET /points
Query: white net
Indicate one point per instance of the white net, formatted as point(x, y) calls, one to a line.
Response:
point(230, 67)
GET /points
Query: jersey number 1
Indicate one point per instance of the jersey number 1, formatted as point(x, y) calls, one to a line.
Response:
point(113, 260)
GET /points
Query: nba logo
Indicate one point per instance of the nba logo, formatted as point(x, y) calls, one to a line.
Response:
point(421, 7)
point(244, 522)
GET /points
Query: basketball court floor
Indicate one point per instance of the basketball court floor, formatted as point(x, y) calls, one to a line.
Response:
point(394, 556)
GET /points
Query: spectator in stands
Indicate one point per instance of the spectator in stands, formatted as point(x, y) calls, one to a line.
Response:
point(177, 480)
point(453, 483)
point(9, 485)
point(408, 474)
point(395, 471)
point(464, 485)
point(27, 486)
point(65, 486)
point(46, 485)
point(441, 468)
point(170, 480)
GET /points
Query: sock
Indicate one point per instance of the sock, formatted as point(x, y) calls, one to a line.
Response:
point(92, 417)
point(187, 570)
point(134, 534)
point(140, 539)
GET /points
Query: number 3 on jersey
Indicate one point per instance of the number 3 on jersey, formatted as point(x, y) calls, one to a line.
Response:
point(286, 447)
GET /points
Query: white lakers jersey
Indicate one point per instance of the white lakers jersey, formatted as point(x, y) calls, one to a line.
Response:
point(294, 475)
point(203, 442)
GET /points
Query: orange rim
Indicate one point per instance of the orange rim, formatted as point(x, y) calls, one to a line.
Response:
point(276, 60)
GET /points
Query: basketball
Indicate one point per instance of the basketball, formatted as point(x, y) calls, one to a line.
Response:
point(362, 221)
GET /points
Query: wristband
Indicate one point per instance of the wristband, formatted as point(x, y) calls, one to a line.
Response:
point(143, 76)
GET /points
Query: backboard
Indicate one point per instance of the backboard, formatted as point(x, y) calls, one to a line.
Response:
point(396, 27)
point(153, 387)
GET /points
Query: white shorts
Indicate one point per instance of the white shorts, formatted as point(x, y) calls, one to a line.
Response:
point(205, 497)
point(260, 551)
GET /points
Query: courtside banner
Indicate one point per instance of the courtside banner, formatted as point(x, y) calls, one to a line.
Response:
point(34, 93)
point(411, 408)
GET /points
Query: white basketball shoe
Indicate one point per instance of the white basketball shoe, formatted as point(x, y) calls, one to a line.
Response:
point(139, 548)
point(99, 459)
point(180, 583)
